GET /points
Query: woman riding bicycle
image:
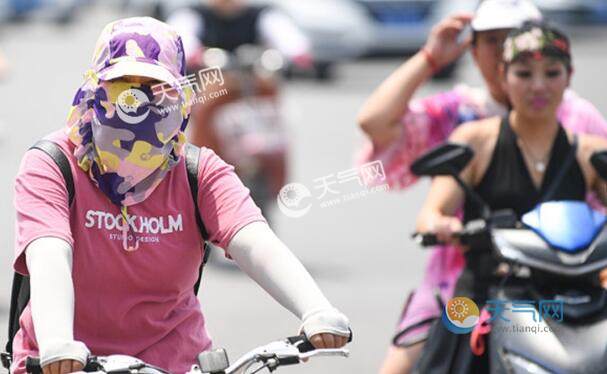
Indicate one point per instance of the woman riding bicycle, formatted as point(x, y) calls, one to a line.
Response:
point(113, 272)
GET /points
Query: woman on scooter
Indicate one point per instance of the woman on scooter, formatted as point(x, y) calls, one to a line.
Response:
point(401, 127)
point(113, 272)
point(516, 157)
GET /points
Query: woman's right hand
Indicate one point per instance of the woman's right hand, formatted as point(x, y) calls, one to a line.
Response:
point(445, 227)
point(62, 357)
point(443, 44)
point(63, 367)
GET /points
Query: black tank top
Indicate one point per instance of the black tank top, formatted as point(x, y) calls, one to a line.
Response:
point(229, 33)
point(507, 183)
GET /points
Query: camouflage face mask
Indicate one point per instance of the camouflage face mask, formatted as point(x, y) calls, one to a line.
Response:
point(131, 139)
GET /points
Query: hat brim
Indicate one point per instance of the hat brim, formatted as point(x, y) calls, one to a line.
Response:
point(493, 25)
point(139, 69)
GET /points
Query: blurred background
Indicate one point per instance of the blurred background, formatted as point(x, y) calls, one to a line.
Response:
point(359, 251)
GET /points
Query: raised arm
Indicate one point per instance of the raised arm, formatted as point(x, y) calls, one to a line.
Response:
point(380, 115)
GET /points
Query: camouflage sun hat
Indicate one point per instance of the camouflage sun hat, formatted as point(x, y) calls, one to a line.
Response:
point(139, 46)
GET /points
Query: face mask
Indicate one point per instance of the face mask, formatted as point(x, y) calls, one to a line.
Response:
point(127, 137)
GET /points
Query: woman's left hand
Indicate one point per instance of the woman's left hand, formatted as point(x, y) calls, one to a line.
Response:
point(326, 328)
point(326, 340)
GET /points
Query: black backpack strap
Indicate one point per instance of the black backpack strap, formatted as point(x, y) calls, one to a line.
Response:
point(549, 194)
point(20, 293)
point(192, 157)
point(53, 150)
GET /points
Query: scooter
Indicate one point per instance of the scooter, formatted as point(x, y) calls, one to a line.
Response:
point(553, 256)
point(238, 116)
point(290, 351)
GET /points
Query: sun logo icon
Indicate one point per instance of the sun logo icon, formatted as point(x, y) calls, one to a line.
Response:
point(458, 308)
point(290, 200)
point(128, 102)
point(460, 315)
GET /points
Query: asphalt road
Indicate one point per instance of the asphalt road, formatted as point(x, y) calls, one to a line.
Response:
point(358, 250)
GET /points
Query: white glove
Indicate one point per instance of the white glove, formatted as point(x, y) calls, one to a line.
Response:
point(64, 350)
point(326, 320)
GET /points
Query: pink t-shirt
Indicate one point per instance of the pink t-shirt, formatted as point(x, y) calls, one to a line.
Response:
point(138, 303)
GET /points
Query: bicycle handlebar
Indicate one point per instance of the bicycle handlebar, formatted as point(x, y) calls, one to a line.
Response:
point(290, 351)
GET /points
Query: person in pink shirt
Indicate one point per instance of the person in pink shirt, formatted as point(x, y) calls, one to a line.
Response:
point(400, 129)
point(113, 272)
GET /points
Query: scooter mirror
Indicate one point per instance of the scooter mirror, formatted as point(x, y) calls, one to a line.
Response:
point(446, 159)
point(216, 57)
point(599, 162)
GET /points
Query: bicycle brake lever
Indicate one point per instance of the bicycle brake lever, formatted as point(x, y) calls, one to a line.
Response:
point(325, 352)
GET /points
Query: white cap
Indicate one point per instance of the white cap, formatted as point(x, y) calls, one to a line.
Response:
point(504, 14)
point(137, 68)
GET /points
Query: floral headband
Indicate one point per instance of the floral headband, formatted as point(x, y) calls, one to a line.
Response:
point(536, 40)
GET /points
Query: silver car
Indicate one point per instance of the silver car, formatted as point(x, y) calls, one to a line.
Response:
point(402, 26)
point(574, 11)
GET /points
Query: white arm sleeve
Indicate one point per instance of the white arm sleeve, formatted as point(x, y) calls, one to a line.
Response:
point(268, 261)
point(189, 25)
point(49, 262)
point(279, 31)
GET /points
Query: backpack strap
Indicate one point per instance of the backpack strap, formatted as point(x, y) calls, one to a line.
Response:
point(53, 150)
point(192, 157)
point(20, 296)
point(20, 293)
